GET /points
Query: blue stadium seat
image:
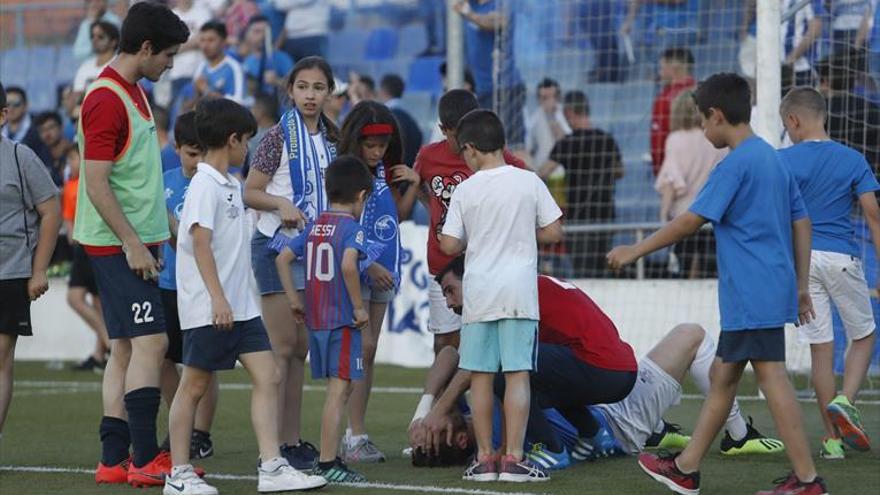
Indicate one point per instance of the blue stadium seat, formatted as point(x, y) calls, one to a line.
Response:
point(42, 94)
point(381, 44)
point(41, 62)
point(65, 65)
point(346, 47)
point(13, 65)
point(424, 75)
point(413, 40)
point(715, 57)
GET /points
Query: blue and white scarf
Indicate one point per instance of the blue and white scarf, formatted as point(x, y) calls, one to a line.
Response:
point(379, 220)
point(306, 175)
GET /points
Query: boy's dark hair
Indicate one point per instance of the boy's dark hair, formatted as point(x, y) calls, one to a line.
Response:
point(216, 26)
point(185, 131)
point(454, 104)
point(368, 82)
point(450, 455)
point(44, 117)
point(2, 97)
point(107, 28)
point(549, 83)
point(679, 54)
point(363, 114)
point(346, 176)
point(153, 22)
point(218, 118)
point(576, 101)
point(393, 85)
point(456, 267)
point(19, 91)
point(482, 129)
point(728, 93)
point(804, 98)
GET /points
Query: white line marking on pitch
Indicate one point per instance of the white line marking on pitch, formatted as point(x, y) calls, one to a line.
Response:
point(61, 387)
point(245, 477)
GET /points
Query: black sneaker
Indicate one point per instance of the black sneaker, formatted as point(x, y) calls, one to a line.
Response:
point(201, 446)
point(753, 443)
point(670, 438)
point(303, 456)
point(90, 364)
point(339, 472)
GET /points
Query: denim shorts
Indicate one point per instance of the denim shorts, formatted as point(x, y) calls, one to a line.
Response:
point(376, 296)
point(765, 344)
point(265, 271)
point(209, 349)
point(503, 345)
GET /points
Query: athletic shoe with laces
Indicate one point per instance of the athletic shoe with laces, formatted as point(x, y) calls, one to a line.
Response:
point(547, 459)
point(482, 469)
point(790, 485)
point(520, 470)
point(301, 456)
point(284, 478)
point(753, 443)
point(364, 451)
point(339, 472)
point(117, 474)
point(670, 438)
point(663, 469)
point(832, 449)
point(90, 364)
point(185, 481)
point(201, 446)
point(848, 422)
point(152, 473)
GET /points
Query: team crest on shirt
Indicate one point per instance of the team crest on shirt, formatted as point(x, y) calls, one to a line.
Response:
point(359, 238)
point(385, 228)
point(443, 187)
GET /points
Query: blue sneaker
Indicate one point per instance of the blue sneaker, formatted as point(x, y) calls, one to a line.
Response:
point(303, 456)
point(548, 460)
point(603, 444)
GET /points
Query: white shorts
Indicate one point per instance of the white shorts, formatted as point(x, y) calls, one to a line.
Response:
point(441, 319)
point(837, 278)
point(633, 419)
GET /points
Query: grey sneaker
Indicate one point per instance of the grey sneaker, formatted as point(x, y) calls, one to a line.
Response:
point(364, 451)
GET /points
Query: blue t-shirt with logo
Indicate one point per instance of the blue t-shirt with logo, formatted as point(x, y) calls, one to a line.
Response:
point(830, 176)
point(380, 223)
point(227, 78)
point(176, 185)
point(751, 198)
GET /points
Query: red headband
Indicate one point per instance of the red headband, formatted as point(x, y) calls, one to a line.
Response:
point(377, 130)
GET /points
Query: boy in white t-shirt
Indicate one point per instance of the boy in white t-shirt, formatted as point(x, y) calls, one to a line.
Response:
point(497, 217)
point(217, 301)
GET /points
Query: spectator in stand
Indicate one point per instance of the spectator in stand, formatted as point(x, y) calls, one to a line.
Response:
point(598, 20)
point(19, 126)
point(105, 39)
point(96, 10)
point(265, 110)
point(485, 18)
point(850, 20)
point(670, 22)
point(49, 124)
point(307, 25)
point(593, 163)
point(852, 119)
point(547, 125)
point(338, 104)
point(437, 134)
point(676, 66)
point(238, 17)
point(265, 72)
point(360, 87)
point(688, 159)
point(219, 74)
point(188, 59)
point(391, 89)
point(434, 15)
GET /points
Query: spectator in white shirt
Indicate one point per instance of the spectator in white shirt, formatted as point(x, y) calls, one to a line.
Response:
point(306, 25)
point(546, 125)
point(96, 10)
point(105, 39)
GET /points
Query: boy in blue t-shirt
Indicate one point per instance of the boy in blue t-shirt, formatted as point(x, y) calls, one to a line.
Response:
point(190, 152)
point(757, 215)
point(334, 309)
point(831, 177)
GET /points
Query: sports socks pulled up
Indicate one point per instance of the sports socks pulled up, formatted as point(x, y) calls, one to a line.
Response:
point(142, 406)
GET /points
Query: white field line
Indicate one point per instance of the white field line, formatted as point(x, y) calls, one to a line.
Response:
point(245, 477)
point(61, 387)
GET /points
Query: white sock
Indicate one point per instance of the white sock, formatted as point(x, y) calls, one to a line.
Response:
point(699, 371)
point(273, 464)
point(354, 439)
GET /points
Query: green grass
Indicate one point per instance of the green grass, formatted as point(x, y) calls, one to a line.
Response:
point(56, 426)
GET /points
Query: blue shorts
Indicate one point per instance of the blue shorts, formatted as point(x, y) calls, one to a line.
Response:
point(765, 344)
point(132, 306)
point(209, 349)
point(507, 345)
point(265, 271)
point(336, 353)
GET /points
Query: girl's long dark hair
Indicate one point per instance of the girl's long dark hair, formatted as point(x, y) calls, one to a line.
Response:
point(363, 114)
point(322, 65)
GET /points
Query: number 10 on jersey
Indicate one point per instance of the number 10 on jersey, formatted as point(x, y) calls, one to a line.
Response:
point(320, 260)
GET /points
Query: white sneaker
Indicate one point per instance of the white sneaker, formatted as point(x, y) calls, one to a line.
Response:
point(187, 482)
point(285, 478)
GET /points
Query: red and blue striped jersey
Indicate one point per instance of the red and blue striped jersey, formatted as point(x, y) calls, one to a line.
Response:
point(328, 305)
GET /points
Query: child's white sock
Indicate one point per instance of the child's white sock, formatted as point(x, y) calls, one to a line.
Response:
point(353, 440)
point(273, 464)
point(175, 470)
point(699, 371)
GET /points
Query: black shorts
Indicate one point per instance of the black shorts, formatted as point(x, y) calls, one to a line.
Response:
point(15, 307)
point(765, 344)
point(209, 349)
point(81, 273)
point(172, 326)
point(132, 306)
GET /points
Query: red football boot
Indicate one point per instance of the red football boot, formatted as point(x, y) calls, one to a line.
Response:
point(662, 468)
point(112, 474)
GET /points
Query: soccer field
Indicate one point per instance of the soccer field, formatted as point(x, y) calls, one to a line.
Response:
point(51, 445)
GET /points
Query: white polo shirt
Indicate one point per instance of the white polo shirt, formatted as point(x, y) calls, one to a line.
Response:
point(214, 202)
point(496, 212)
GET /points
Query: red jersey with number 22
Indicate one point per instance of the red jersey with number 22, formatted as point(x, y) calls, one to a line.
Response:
point(441, 171)
point(570, 318)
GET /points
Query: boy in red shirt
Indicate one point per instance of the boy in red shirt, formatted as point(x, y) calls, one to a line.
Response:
point(676, 65)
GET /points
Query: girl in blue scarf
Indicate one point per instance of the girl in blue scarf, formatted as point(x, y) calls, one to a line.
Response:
point(286, 186)
point(371, 133)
